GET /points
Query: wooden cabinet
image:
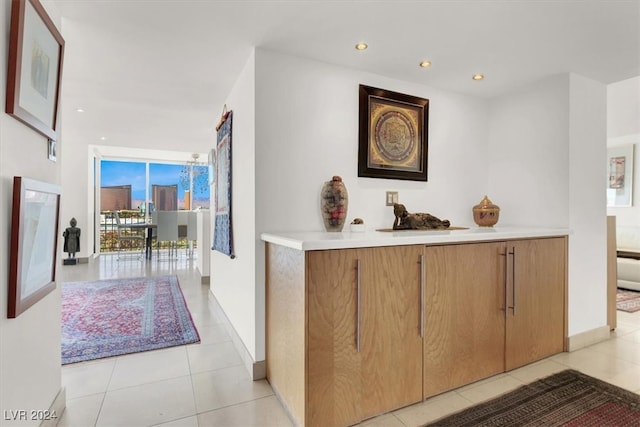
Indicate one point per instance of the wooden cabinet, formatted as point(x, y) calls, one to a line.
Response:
point(464, 315)
point(334, 380)
point(491, 307)
point(353, 333)
point(391, 342)
point(535, 325)
point(364, 344)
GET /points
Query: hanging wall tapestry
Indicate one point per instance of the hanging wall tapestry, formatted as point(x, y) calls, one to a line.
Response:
point(223, 230)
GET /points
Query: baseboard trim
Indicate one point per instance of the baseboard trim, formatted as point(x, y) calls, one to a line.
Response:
point(587, 338)
point(57, 407)
point(204, 280)
point(260, 370)
point(257, 370)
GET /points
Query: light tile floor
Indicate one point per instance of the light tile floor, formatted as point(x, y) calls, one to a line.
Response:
point(206, 384)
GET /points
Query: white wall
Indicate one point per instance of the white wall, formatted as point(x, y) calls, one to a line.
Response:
point(623, 127)
point(78, 180)
point(233, 281)
point(546, 148)
point(30, 371)
point(307, 131)
point(587, 203)
point(529, 152)
point(623, 108)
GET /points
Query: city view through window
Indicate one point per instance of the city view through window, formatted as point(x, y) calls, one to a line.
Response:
point(135, 189)
point(124, 186)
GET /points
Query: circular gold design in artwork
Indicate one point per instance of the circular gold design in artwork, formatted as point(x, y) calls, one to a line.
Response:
point(394, 136)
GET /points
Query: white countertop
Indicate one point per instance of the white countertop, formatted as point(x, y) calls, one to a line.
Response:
point(320, 240)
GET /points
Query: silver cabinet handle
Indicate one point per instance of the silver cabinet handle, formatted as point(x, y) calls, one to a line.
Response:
point(506, 282)
point(358, 307)
point(512, 251)
point(421, 296)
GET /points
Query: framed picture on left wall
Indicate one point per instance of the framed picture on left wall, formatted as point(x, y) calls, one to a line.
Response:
point(34, 237)
point(36, 50)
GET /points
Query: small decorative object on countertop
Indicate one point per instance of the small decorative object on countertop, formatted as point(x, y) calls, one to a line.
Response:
point(486, 214)
point(357, 225)
point(417, 221)
point(334, 201)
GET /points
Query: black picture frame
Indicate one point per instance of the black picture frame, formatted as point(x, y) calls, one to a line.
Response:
point(34, 232)
point(393, 135)
point(36, 51)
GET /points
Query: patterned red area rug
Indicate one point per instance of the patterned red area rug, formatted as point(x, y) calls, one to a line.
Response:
point(568, 398)
point(628, 301)
point(112, 317)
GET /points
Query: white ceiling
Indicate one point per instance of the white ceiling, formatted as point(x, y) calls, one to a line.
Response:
point(155, 73)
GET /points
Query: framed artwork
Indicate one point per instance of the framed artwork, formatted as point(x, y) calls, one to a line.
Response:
point(620, 176)
point(34, 232)
point(223, 227)
point(393, 135)
point(36, 49)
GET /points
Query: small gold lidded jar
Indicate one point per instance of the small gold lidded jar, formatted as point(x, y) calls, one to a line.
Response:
point(485, 213)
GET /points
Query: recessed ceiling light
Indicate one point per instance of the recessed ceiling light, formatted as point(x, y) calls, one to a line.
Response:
point(103, 138)
point(425, 64)
point(361, 46)
point(79, 110)
point(478, 76)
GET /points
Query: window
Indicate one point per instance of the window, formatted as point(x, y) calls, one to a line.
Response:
point(170, 186)
point(122, 185)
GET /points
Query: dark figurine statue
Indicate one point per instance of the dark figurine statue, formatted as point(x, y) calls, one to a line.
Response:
point(72, 238)
point(417, 221)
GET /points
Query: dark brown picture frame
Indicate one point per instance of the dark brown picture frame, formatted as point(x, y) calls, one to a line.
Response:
point(36, 51)
point(34, 232)
point(393, 135)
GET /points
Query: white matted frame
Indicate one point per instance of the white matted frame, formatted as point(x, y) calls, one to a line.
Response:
point(620, 176)
point(34, 231)
point(36, 50)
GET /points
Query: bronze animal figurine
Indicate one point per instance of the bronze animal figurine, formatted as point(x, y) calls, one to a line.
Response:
point(416, 221)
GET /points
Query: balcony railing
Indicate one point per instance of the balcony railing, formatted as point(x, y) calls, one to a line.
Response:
point(109, 231)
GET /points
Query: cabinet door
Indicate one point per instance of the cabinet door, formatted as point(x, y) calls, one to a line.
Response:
point(334, 381)
point(535, 325)
point(464, 314)
point(391, 345)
